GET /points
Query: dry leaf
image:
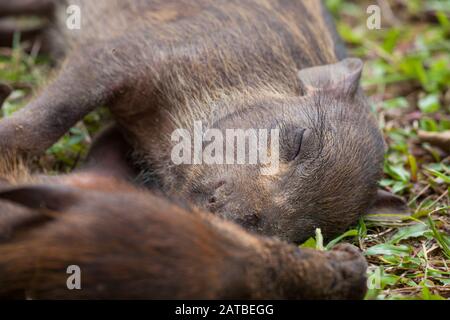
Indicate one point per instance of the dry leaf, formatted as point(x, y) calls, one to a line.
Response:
point(438, 139)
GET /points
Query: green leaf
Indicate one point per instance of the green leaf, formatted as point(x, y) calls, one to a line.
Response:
point(396, 103)
point(413, 166)
point(362, 228)
point(444, 124)
point(391, 39)
point(439, 74)
point(442, 176)
point(428, 124)
point(413, 66)
point(444, 281)
point(439, 237)
point(397, 172)
point(386, 182)
point(399, 186)
point(427, 295)
point(443, 20)
point(349, 233)
point(74, 140)
point(414, 231)
point(310, 243)
point(429, 103)
point(349, 34)
point(389, 249)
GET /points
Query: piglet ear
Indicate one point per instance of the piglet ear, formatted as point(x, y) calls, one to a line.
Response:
point(41, 197)
point(387, 207)
point(342, 76)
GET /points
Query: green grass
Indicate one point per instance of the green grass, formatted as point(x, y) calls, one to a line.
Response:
point(407, 76)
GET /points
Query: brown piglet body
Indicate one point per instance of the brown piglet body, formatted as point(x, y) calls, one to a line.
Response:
point(130, 243)
point(161, 66)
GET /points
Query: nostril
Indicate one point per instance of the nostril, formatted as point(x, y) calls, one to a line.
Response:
point(212, 199)
point(250, 220)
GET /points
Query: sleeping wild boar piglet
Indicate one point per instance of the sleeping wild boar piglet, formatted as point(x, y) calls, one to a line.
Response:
point(161, 66)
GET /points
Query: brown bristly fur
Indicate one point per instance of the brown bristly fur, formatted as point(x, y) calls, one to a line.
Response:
point(14, 169)
point(132, 244)
point(160, 65)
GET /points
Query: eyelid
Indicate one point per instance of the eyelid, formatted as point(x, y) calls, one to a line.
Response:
point(299, 143)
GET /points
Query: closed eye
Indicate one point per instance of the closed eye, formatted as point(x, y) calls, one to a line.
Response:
point(291, 142)
point(298, 143)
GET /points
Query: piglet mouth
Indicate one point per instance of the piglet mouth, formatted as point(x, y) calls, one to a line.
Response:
point(248, 220)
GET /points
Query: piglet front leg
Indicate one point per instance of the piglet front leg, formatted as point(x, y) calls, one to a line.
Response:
point(88, 79)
